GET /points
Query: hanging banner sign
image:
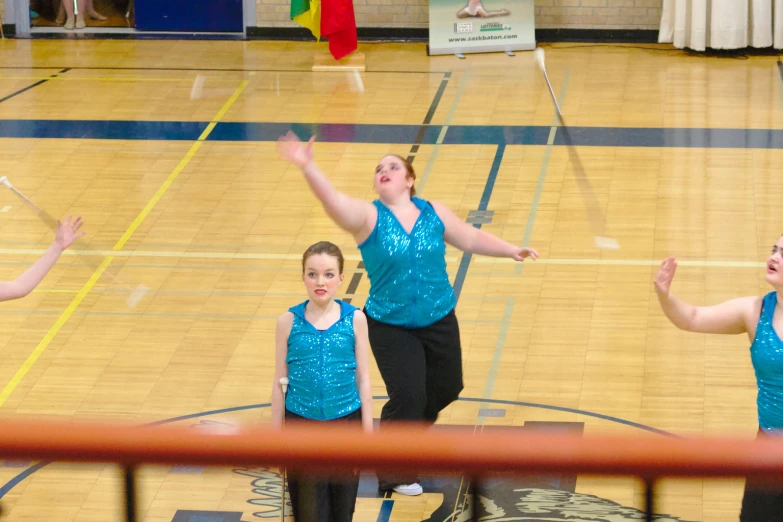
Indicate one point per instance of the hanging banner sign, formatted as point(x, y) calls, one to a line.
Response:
point(469, 26)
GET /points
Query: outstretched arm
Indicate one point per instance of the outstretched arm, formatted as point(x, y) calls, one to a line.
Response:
point(25, 283)
point(349, 213)
point(470, 239)
point(729, 317)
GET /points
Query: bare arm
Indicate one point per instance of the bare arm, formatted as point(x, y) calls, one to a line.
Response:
point(282, 329)
point(362, 368)
point(470, 239)
point(26, 283)
point(350, 214)
point(729, 317)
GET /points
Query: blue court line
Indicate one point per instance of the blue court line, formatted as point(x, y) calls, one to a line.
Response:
point(496, 134)
point(385, 512)
point(682, 138)
point(508, 135)
point(8, 486)
point(326, 132)
point(396, 133)
point(427, 120)
point(422, 182)
point(104, 130)
point(207, 413)
point(621, 137)
point(489, 186)
point(436, 100)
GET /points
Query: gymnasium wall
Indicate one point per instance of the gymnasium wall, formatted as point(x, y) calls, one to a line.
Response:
point(550, 14)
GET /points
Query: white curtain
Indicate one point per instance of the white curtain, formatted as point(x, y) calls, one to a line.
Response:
point(722, 24)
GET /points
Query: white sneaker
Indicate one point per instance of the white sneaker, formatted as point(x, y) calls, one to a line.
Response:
point(409, 489)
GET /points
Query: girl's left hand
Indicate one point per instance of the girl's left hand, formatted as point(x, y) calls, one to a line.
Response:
point(67, 232)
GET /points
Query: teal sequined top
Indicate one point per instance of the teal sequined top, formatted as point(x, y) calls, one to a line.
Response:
point(409, 285)
point(766, 352)
point(322, 367)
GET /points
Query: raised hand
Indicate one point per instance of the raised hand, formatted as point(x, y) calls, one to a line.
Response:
point(67, 232)
point(525, 252)
point(663, 279)
point(292, 149)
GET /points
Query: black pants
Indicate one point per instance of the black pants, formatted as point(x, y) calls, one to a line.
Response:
point(422, 371)
point(323, 499)
point(761, 502)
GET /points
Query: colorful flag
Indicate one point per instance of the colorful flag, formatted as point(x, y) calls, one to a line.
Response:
point(307, 13)
point(332, 19)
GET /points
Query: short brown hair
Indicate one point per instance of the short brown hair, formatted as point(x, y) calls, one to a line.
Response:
point(324, 247)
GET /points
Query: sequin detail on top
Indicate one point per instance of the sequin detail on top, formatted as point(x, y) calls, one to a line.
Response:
point(322, 366)
point(409, 284)
point(766, 352)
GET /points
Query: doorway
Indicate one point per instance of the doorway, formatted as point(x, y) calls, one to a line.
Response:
point(97, 13)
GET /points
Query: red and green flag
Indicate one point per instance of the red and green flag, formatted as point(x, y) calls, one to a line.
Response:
point(333, 19)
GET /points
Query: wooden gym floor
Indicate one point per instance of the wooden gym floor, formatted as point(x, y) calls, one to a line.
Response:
point(167, 150)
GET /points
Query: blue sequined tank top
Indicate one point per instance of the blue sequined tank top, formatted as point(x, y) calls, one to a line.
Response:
point(409, 285)
point(767, 355)
point(322, 367)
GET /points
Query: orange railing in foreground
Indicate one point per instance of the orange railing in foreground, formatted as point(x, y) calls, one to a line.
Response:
point(336, 448)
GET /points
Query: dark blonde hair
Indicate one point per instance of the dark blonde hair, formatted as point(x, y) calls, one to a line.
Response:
point(324, 247)
point(410, 173)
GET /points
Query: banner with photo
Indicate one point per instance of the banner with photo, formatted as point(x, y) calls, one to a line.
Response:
point(474, 26)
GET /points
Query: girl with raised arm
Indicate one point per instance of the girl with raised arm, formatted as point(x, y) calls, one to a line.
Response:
point(413, 328)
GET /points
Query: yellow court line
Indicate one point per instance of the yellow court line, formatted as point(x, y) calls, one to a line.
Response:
point(21, 372)
point(182, 164)
point(113, 79)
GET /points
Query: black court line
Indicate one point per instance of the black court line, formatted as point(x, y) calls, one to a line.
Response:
point(780, 69)
point(36, 84)
point(26, 67)
point(489, 186)
point(357, 277)
point(354, 284)
point(428, 118)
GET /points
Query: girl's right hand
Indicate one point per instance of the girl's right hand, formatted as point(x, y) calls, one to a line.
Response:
point(292, 149)
point(663, 280)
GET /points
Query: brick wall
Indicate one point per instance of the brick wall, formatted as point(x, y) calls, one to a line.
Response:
point(575, 14)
